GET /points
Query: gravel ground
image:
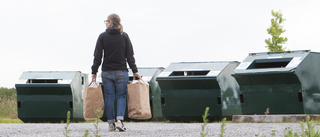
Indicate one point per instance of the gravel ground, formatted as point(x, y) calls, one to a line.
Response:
point(149, 129)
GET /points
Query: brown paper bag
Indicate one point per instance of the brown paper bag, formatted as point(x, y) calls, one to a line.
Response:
point(138, 100)
point(92, 101)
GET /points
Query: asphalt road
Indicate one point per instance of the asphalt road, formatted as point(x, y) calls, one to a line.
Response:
point(137, 129)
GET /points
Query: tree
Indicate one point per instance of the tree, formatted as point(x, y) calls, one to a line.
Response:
point(275, 43)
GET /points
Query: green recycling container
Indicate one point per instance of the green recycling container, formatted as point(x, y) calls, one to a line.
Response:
point(187, 88)
point(148, 74)
point(47, 96)
point(280, 83)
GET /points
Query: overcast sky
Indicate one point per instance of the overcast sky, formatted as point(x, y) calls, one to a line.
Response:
point(60, 35)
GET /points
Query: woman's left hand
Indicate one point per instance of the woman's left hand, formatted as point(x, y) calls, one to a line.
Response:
point(136, 75)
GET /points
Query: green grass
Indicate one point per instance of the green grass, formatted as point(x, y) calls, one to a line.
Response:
point(223, 125)
point(205, 121)
point(86, 132)
point(68, 123)
point(9, 120)
point(96, 125)
point(8, 104)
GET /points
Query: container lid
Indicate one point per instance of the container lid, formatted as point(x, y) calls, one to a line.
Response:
point(271, 62)
point(60, 77)
point(195, 69)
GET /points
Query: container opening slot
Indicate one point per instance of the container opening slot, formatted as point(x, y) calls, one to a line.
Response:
point(82, 80)
point(270, 63)
point(189, 73)
point(241, 98)
point(197, 73)
point(151, 103)
point(219, 100)
point(177, 73)
point(70, 104)
point(19, 104)
point(300, 97)
point(42, 81)
point(162, 101)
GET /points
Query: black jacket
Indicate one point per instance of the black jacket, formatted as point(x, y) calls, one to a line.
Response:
point(116, 49)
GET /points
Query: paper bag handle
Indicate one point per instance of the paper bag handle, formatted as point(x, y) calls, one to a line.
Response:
point(138, 81)
point(93, 82)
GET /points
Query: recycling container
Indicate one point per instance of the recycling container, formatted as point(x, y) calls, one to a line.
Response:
point(280, 83)
point(148, 74)
point(47, 96)
point(187, 88)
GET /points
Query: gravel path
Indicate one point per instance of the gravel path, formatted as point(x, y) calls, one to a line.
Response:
point(149, 129)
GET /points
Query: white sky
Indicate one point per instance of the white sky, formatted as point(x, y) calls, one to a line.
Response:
point(38, 35)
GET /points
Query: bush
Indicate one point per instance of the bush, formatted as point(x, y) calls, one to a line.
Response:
point(8, 92)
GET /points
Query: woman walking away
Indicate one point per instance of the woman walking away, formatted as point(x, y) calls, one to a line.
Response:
point(115, 47)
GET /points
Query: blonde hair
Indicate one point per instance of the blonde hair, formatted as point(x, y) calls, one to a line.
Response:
point(115, 19)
